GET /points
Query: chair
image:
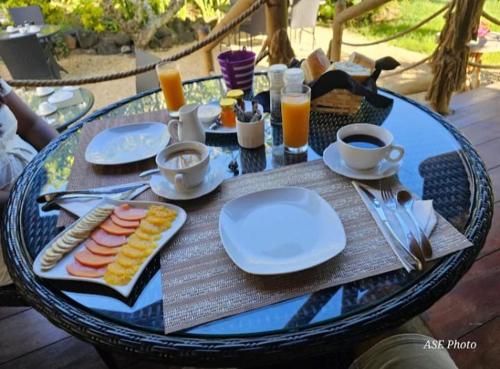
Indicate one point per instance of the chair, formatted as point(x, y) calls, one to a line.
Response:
point(25, 58)
point(303, 15)
point(148, 80)
point(26, 14)
point(254, 26)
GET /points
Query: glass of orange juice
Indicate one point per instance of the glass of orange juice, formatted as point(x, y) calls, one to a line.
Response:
point(171, 85)
point(295, 109)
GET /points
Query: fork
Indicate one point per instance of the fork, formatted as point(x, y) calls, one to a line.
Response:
point(391, 203)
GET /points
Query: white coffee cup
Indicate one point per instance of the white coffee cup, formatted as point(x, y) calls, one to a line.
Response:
point(362, 158)
point(186, 178)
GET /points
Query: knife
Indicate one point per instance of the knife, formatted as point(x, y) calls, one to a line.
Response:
point(51, 196)
point(377, 206)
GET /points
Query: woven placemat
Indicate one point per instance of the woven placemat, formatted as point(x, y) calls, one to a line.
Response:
point(85, 175)
point(201, 283)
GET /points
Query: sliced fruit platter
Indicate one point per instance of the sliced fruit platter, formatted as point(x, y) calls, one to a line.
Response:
point(110, 245)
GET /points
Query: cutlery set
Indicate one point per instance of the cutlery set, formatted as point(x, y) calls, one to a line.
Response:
point(414, 241)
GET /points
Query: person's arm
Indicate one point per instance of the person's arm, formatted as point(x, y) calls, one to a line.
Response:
point(30, 126)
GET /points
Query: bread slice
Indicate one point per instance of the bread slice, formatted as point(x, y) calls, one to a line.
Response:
point(315, 65)
point(356, 71)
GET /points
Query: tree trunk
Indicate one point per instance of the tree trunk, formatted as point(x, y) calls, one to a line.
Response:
point(449, 61)
point(156, 22)
point(280, 50)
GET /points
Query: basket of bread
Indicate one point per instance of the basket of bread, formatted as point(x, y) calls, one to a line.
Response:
point(337, 100)
point(344, 92)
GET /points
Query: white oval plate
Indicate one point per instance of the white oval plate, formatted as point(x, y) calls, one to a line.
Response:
point(127, 144)
point(333, 160)
point(281, 230)
point(59, 270)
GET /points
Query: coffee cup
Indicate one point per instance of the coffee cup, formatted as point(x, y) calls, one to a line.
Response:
point(184, 164)
point(363, 146)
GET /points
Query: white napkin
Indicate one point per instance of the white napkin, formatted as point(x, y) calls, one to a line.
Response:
point(81, 206)
point(422, 210)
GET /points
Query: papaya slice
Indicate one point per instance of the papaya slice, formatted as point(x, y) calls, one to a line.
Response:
point(103, 238)
point(101, 250)
point(78, 270)
point(127, 212)
point(124, 223)
point(111, 227)
point(92, 260)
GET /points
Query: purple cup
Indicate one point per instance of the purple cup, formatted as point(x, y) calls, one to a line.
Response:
point(237, 69)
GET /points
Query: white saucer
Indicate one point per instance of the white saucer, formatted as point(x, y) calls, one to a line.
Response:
point(333, 160)
point(44, 91)
point(163, 188)
point(51, 109)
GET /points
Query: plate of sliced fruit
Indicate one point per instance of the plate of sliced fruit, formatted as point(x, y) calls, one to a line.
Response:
point(112, 244)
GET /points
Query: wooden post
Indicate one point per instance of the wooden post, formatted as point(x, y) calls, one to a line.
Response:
point(344, 16)
point(449, 61)
point(239, 7)
point(338, 29)
point(276, 20)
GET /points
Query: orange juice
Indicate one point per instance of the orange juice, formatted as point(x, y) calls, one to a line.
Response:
point(295, 112)
point(171, 85)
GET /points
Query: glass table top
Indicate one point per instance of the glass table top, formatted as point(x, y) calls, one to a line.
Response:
point(63, 117)
point(433, 168)
point(46, 30)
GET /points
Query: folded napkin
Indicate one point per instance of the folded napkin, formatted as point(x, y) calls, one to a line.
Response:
point(81, 206)
point(422, 210)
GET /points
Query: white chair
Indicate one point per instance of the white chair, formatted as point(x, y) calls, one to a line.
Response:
point(303, 15)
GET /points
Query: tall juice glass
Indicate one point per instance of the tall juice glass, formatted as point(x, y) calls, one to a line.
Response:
point(295, 109)
point(171, 85)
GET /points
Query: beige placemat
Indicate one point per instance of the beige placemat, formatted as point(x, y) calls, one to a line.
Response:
point(201, 283)
point(85, 175)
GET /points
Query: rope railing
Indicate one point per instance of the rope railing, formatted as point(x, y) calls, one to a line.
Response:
point(411, 66)
point(146, 68)
point(491, 18)
point(402, 33)
point(483, 66)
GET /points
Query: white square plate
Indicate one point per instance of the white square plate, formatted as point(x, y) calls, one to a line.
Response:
point(281, 230)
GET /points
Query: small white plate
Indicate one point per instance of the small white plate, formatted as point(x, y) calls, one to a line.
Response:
point(59, 271)
point(333, 160)
point(281, 230)
point(208, 113)
point(223, 130)
point(163, 188)
point(60, 96)
point(44, 91)
point(127, 144)
point(49, 109)
point(11, 29)
point(70, 88)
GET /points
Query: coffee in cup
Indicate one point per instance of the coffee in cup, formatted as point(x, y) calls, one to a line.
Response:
point(184, 164)
point(363, 146)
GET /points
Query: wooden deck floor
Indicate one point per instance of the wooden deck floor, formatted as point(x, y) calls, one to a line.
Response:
point(471, 311)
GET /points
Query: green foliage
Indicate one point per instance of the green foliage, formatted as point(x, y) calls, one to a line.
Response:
point(424, 39)
point(108, 15)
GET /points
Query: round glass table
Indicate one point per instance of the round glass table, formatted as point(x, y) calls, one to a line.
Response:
point(439, 164)
point(65, 116)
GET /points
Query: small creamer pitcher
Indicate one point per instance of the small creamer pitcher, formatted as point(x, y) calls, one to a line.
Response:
point(188, 127)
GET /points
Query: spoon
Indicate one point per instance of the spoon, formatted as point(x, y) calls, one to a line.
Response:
point(405, 199)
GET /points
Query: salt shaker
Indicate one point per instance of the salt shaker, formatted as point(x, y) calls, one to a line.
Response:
point(276, 73)
point(294, 77)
